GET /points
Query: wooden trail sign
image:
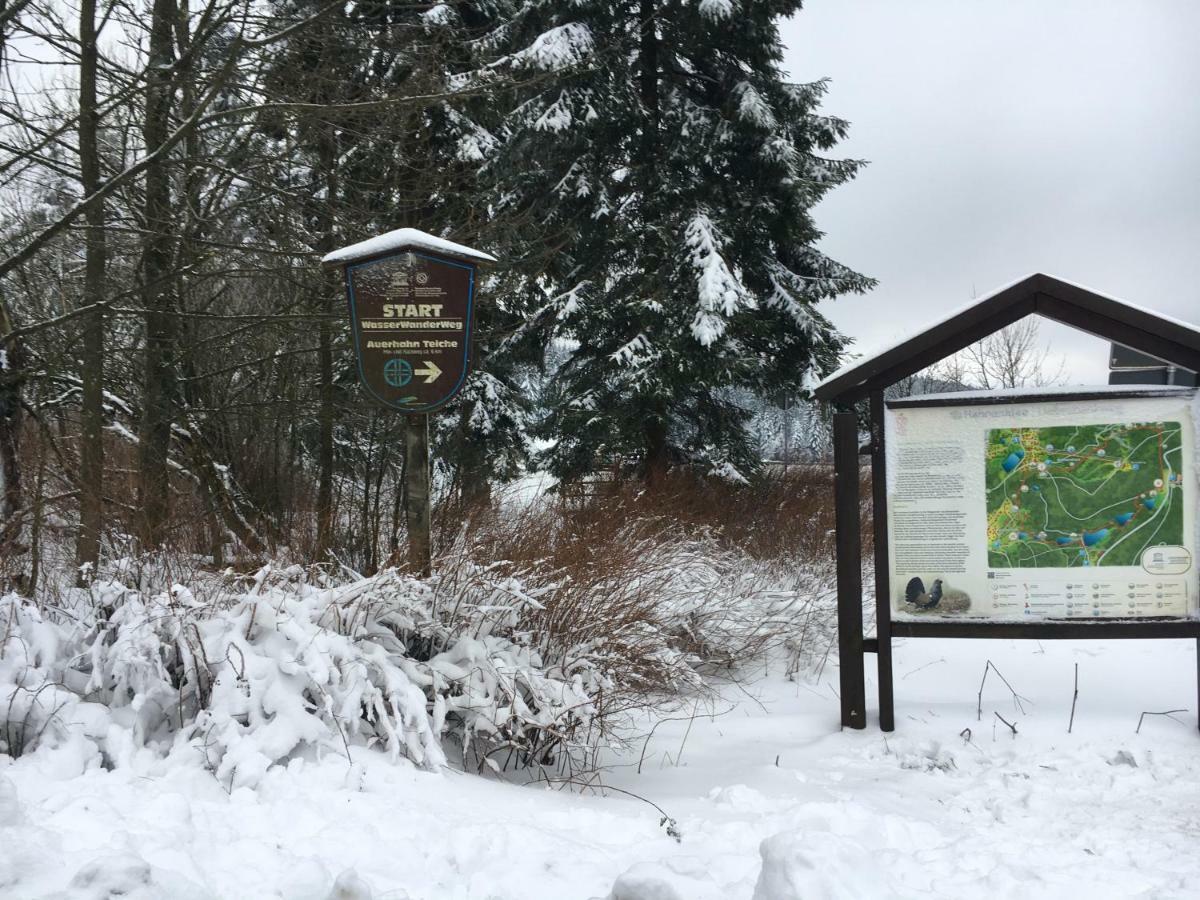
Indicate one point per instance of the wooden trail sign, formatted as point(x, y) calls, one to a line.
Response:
point(411, 297)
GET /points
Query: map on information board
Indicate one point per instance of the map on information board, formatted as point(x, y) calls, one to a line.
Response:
point(1082, 496)
point(1024, 508)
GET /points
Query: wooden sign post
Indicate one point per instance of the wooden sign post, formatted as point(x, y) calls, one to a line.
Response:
point(419, 508)
point(411, 297)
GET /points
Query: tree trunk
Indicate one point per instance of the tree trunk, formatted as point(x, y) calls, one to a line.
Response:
point(655, 447)
point(222, 495)
point(91, 451)
point(648, 51)
point(35, 529)
point(12, 377)
point(368, 467)
point(327, 158)
point(223, 501)
point(158, 384)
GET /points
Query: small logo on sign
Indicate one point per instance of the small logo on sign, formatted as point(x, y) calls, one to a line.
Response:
point(397, 372)
point(422, 278)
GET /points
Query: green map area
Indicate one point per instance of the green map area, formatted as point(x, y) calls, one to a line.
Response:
point(1088, 495)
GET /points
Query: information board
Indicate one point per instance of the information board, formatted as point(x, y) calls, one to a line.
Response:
point(411, 314)
point(1033, 510)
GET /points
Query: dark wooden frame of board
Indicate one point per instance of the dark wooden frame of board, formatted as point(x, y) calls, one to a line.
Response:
point(1051, 298)
point(344, 265)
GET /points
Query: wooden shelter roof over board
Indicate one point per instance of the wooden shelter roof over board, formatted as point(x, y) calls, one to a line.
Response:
point(1061, 301)
point(866, 378)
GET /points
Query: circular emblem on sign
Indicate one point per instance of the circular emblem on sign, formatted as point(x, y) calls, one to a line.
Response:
point(397, 372)
point(422, 277)
point(1164, 559)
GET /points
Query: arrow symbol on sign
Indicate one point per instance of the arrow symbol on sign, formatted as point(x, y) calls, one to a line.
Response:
point(431, 372)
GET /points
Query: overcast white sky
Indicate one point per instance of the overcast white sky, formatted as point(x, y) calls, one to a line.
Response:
point(1007, 137)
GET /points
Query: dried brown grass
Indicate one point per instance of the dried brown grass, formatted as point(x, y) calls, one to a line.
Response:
point(780, 517)
point(719, 573)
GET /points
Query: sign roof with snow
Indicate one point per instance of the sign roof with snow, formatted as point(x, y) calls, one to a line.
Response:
point(400, 240)
point(1117, 320)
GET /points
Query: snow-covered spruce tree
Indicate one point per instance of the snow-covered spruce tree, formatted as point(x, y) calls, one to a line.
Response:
point(483, 437)
point(672, 168)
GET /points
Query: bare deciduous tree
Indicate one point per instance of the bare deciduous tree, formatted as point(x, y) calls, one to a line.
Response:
point(1014, 357)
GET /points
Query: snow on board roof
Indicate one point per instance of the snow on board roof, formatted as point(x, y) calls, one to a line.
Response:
point(1036, 281)
point(1064, 392)
point(404, 239)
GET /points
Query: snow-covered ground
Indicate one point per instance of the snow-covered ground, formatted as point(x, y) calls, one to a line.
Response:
point(772, 802)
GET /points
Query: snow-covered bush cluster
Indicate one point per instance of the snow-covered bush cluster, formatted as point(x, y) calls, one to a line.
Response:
point(258, 670)
point(534, 663)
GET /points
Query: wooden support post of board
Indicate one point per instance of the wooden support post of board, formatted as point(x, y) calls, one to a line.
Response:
point(883, 588)
point(417, 488)
point(849, 568)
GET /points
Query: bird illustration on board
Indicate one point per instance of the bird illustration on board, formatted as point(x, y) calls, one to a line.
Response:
point(936, 599)
point(916, 595)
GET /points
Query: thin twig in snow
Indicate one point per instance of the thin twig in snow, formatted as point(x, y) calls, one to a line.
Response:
point(1170, 714)
point(1016, 697)
point(926, 666)
point(688, 719)
point(1074, 697)
point(1011, 726)
point(691, 722)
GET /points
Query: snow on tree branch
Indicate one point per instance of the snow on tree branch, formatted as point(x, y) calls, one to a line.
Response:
point(720, 293)
point(559, 48)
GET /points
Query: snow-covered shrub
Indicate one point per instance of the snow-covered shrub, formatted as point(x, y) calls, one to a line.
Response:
point(243, 680)
point(128, 876)
point(540, 636)
point(273, 674)
point(799, 865)
point(488, 685)
point(671, 879)
point(33, 698)
point(285, 663)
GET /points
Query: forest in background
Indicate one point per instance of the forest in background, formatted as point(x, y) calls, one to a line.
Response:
point(176, 370)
